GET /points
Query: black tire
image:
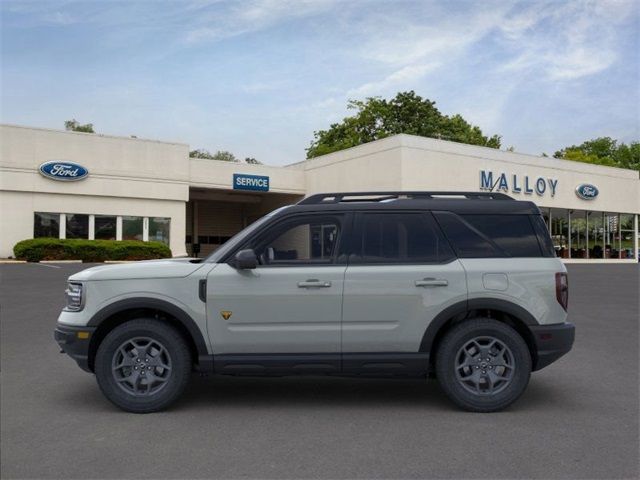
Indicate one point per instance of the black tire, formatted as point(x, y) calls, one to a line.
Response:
point(475, 391)
point(166, 374)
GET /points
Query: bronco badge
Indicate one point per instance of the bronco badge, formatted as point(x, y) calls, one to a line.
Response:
point(226, 314)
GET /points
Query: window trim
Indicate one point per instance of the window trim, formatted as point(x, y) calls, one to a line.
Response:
point(356, 251)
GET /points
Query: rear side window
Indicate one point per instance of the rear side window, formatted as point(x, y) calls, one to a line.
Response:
point(514, 234)
point(467, 241)
point(400, 238)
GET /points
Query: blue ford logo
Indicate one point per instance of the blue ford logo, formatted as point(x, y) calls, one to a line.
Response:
point(65, 171)
point(587, 191)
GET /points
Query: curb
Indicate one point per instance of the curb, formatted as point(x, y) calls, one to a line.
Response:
point(60, 261)
point(10, 261)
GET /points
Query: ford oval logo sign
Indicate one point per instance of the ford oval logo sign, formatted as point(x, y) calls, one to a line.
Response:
point(587, 191)
point(64, 171)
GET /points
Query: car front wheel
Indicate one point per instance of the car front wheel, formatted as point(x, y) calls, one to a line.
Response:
point(143, 365)
point(483, 365)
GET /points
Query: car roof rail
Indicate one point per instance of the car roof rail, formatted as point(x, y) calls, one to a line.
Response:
point(322, 198)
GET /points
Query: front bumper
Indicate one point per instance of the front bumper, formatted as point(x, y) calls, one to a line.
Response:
point(75, 341)
point(552, 342)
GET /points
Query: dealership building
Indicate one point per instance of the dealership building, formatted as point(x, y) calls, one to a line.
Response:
point(77, 185)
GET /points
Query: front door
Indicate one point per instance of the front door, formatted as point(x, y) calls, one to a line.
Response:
point(290, 305)
point(401, 275)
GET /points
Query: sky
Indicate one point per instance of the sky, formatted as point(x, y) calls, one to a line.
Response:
point(258, 77)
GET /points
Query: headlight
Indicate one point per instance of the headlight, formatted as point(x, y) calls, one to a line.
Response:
point(74, 296)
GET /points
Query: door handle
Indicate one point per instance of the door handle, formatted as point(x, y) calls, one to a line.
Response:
point(432, 282)
point(313, 283)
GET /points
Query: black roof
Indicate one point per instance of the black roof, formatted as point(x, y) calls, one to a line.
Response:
point(457, 202)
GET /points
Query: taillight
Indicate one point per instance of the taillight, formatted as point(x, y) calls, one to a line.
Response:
point(562, 289)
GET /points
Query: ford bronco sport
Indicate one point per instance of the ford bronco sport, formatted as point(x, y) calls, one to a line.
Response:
point(461, 286)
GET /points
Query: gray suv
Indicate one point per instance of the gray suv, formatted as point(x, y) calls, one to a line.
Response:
point(461, 286)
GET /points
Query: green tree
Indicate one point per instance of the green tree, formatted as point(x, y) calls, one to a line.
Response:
point(604, 151)
point(74, 126)
point(377, 118)
point(222, 155)
point(201, 153)
point(252, 161)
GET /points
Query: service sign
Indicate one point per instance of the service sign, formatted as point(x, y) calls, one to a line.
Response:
point(63, 171)
point(255, 183)
point(587, 191)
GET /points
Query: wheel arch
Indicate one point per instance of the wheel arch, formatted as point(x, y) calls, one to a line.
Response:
point(117, 313)
point(502, 310)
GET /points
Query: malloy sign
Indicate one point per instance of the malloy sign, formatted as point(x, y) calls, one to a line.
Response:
point(515, 183)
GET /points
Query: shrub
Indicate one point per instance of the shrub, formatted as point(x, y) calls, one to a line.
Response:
point(36, 249)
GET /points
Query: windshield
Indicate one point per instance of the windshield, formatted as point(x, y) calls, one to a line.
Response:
point(240, 237)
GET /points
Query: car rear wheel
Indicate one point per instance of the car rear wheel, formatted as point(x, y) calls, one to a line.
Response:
point(483, 365)
point(143, 365)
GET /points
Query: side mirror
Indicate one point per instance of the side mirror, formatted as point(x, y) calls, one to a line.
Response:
point(246, 259)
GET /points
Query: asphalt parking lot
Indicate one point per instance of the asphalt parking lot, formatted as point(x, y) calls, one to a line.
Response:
point(578, 418)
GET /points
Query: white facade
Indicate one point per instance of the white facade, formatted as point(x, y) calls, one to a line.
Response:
point(145, 182)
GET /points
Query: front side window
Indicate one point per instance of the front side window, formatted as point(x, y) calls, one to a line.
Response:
point(400, 238)
point(302, 241)
point(77, 226)
point(46, 225)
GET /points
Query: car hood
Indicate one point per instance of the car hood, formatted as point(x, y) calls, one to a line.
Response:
point(168, 268)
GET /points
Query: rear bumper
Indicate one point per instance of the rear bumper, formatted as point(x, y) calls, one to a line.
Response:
point(552, 342)
point(74, 345)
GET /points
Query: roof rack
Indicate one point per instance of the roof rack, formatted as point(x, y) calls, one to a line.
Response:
point(320, 198)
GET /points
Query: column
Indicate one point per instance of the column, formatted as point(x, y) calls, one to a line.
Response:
point(635, 237)
point(586, 233)
point(63, 226)
point(92, 227)
point(619, 235)
point(118, 227)
point(145, 229)
point(194, 230)
point(569, 231)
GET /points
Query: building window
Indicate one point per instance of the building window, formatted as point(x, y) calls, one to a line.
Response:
point(77, 226)
point(579, 235)
point(159, 229)
point(132, 228)
point(46, 225)
point(626, 236)
point(105, 227)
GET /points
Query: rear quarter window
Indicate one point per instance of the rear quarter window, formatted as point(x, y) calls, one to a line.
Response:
point(490, 235)
point(544, 238)
point(514, 234)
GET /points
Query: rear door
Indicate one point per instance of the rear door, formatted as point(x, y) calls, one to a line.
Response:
point(401, 274)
